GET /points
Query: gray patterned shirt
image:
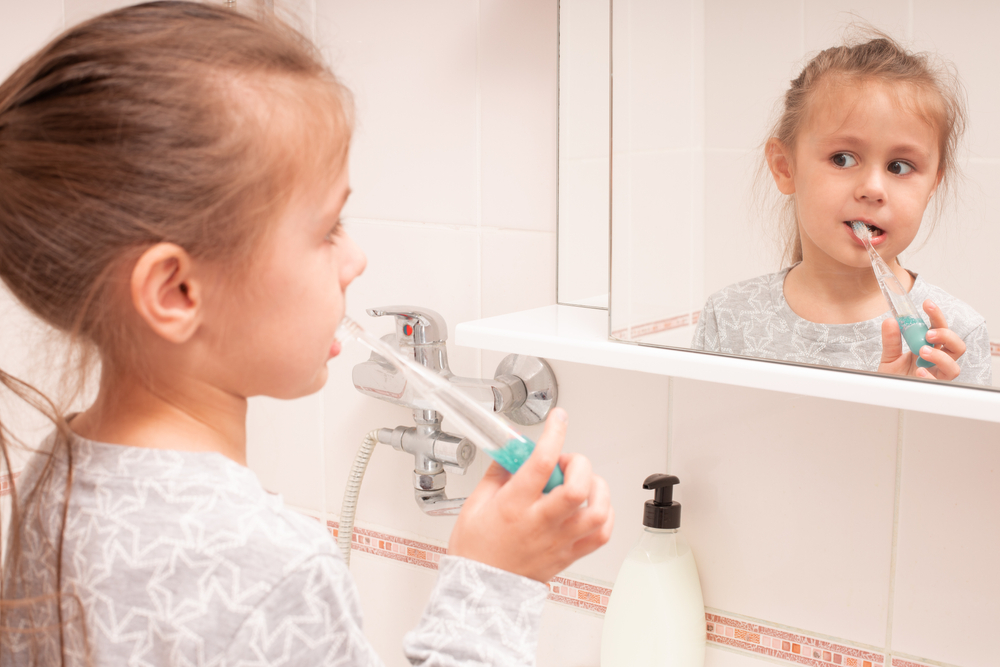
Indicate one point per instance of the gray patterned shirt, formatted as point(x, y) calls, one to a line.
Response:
point(181, 558)
point(751, 318)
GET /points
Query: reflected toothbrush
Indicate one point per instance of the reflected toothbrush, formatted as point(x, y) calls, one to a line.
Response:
point(485, 429)
point(911, 325)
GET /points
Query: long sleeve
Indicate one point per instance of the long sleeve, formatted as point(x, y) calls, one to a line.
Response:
point(477, 616)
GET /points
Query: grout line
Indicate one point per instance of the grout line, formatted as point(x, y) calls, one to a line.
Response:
point(900, 425)
point(670, 425)
point(558, 130)
point(479, 167)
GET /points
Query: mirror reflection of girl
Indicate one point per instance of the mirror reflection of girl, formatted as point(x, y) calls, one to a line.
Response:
point(868, 132)
point(171, 182)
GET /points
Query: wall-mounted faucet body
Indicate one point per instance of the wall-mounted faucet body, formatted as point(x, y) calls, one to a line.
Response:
point(523, 388)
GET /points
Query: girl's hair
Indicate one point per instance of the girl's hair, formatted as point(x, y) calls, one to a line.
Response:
point(879, 59)
point(164, 122)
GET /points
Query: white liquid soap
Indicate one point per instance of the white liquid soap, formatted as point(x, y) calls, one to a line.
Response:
point(656, 614)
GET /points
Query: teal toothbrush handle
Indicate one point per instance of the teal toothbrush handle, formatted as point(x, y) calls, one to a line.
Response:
point(914, 332)
point(512, 455)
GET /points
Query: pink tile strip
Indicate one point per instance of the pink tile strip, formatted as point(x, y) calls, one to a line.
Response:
point(788, 646)
point(562, 590)
point(657, 326)
point(900, 662)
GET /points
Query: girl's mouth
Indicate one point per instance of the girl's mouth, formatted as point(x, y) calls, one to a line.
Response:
point(877, 233)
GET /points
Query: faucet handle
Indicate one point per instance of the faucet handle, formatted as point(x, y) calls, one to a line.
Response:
point(426, 326)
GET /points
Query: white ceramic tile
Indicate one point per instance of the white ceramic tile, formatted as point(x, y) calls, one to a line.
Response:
point(653, 84)
point(741, 239)
point(788, 505)
point(568, 638)
point(721, 657)
point(26, 27)
point(828, 23)
point(284, 448)
point(964, 32)
point(392, 600)
point(518, 270)
point(748, 66)
point(584, 229)
point(518, 105)
point(412, 69)
point(947, 602)
point(416, 265)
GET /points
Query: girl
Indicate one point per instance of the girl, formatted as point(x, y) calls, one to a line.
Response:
point(868, 132)
point(171, 180)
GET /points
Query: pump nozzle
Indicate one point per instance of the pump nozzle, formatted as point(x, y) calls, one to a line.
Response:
point(662, 511)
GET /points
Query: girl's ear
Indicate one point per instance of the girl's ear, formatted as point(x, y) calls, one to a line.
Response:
point(779, 161)
point(165, 292)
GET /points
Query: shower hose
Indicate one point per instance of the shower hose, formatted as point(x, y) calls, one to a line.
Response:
point(345, 531)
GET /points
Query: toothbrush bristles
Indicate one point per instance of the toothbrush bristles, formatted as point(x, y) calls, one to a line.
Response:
point(861, 229)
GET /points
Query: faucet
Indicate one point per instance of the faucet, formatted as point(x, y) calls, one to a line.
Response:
point(523, 388)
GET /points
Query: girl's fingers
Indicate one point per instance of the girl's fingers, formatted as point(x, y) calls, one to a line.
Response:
point(948, 341)
point(938, 320)
point(590, 518)
point(578, 480)
point(594, 540)
point(945, 368)
point(532, 477)
point(892, 342)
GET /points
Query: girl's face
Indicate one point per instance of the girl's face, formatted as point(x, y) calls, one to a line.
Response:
point(281, 326)
point(862, 154)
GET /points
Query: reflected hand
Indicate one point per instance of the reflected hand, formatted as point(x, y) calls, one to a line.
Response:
point(507, 522)
point(946, 350)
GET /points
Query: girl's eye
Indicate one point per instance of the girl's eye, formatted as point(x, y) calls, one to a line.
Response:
point(331, 236)
point(900, 168)
point(844, 160)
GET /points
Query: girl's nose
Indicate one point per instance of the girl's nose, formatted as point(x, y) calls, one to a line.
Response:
point(355, 261)
point(872, 186)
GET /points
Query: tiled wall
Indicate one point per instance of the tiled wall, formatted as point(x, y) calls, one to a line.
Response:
point(838, 524)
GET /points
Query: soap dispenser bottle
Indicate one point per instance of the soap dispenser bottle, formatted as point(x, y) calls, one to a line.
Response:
point(656, 615)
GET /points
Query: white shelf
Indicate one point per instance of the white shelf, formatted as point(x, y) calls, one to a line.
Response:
point(568, 333)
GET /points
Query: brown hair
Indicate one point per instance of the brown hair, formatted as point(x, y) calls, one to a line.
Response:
point(879, 59)
point(163, 122)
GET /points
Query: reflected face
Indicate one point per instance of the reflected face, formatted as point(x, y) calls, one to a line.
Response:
point(863, 153)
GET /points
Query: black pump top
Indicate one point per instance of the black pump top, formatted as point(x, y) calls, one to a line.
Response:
point(662, 511)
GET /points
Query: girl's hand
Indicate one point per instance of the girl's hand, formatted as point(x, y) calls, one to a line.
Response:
point(509, 523)
point(947, 348)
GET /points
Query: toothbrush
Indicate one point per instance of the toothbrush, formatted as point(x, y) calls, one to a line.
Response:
point(911, 325)
point(488, 431)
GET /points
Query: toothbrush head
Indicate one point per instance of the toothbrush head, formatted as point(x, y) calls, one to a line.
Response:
point(861, 230)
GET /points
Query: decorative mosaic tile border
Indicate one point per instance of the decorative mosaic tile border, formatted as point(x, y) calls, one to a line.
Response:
point(688, 319)
point(789, 646)
point(562, 590)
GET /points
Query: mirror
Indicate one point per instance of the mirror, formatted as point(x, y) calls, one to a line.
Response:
point(584, 152)
point(696, 84)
